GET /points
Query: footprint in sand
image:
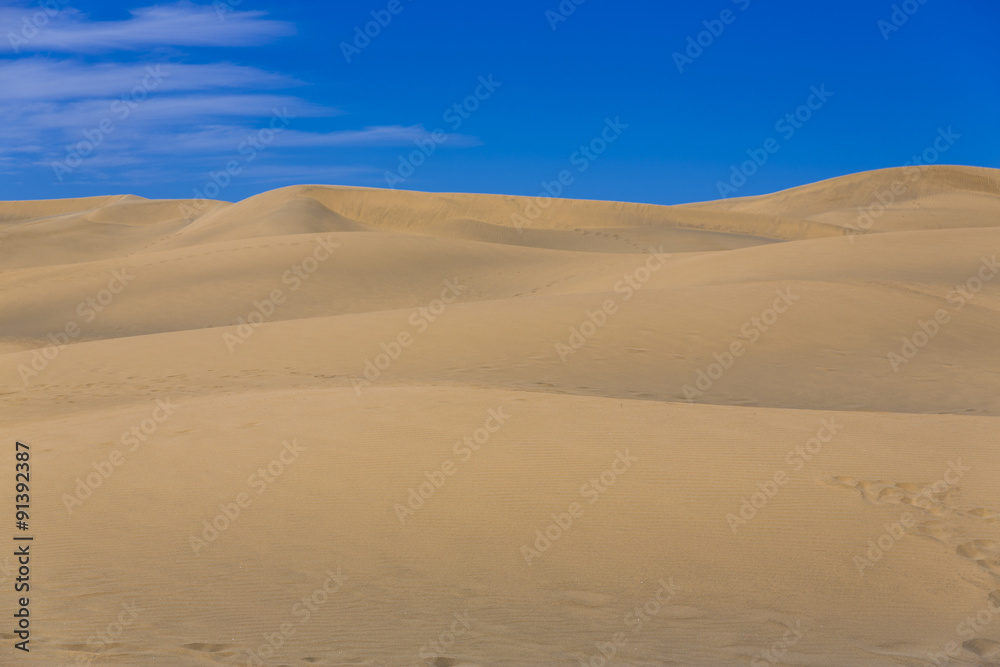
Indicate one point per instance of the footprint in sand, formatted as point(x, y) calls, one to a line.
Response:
point(916, 494)
point(986, 554)
point(978, 549)
point(203, 647)
point(891, 495)
point(984, 648)
point(940, 509)
point(86, 648)
point(983, 513)
point(937, 530)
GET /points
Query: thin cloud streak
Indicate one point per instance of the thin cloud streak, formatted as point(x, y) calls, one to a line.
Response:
point(181, 24)
point(49, 79)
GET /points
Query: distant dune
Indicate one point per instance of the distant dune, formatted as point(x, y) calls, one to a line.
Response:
point(781, 410)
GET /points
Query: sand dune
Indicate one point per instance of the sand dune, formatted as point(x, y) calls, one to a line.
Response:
point(729, 433)
point(888, 200)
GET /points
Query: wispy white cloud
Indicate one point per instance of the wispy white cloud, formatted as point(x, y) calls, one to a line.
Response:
point(180, 24)
point(53, 103)
point(302, 174)
point(38, 78)
point(272, 175)
point(386, 135)
point(154, 113)
point(187, 125)
point(183, 130)
point(107, 113)
point(215, 140)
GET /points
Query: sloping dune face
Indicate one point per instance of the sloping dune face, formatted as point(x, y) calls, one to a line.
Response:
point(889, 200)
point(336, 426)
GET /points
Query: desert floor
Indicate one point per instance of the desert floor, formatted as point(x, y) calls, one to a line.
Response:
point(343, 426)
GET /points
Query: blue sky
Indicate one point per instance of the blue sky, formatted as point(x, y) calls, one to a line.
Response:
point(233, 98)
